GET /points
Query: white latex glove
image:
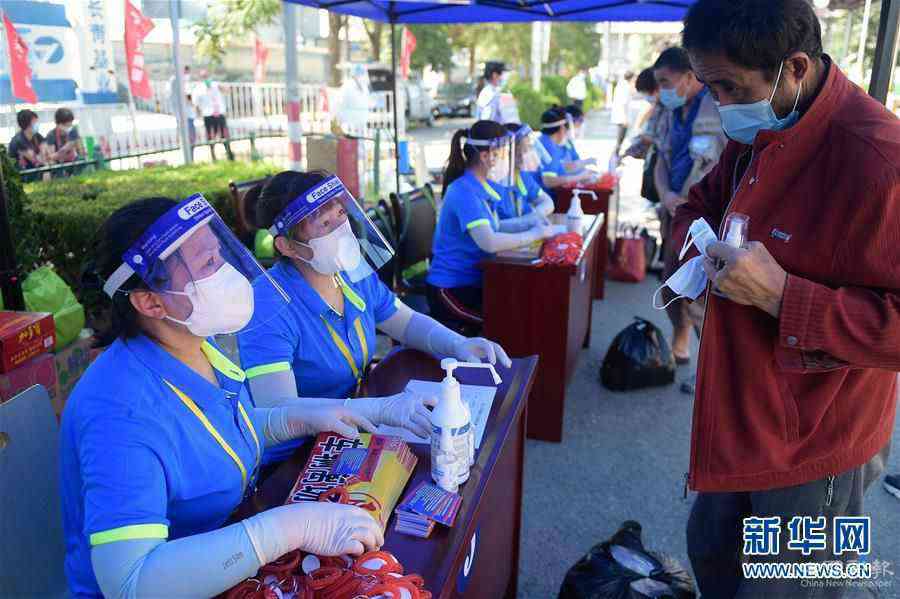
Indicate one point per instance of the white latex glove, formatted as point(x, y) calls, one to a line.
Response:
point(548, 231)
point(536, 218)
point(408, 410)
point(478, 349)
point(298, 420)
point(322, 528)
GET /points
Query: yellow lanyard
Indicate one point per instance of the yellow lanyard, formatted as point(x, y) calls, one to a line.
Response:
point(215, 434)
point(490, 191)
point(523, 194)
point(345, 351)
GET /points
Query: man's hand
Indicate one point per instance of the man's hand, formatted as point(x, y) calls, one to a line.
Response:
point(672, 201)
point(751, 276)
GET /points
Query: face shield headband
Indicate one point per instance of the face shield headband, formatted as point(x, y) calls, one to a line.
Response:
point(306, 204)
point(160, 240)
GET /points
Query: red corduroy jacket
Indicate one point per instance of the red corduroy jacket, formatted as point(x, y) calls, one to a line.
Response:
point(781, 402)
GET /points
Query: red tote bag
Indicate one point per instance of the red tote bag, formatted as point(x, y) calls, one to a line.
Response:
point(629, 259)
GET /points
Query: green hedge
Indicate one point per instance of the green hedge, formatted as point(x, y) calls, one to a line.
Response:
point(55, 221)
point(531, 104)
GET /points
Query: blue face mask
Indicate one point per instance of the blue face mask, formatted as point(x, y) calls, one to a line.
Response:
point(671, 99)
point(742, 122)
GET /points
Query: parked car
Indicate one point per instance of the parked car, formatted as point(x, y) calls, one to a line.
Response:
point(419, 103)
point(455, 99)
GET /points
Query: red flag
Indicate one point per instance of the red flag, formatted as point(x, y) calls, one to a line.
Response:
point(260, 58)
point(137, 26)
point(20, 72)
point(406, 51)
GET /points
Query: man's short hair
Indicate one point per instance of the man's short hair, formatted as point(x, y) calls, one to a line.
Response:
point(492, 67)
point(646, 82)
point(63, 115)
point(24, 118)
point(675, 59)
point(755, 34)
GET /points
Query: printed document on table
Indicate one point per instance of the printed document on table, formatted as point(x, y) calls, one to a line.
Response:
point(478, 398)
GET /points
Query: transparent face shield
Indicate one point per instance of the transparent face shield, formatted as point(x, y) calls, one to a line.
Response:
point(331, 232)
point(498, 155)
point(207, 280)
point(527, 158)
point(574, 128)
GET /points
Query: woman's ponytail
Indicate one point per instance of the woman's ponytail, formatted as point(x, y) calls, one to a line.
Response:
point(456, 163)
point(465, 156)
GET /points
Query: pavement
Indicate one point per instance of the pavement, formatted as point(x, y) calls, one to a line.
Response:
point(624, 454)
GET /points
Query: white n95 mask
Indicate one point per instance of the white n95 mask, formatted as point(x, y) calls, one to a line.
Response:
point(334, 252)
point(222, 303)
point(690, 280)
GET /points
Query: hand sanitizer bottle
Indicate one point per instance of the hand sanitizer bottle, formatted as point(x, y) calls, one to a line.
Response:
point(575, 215)
point(452, 438)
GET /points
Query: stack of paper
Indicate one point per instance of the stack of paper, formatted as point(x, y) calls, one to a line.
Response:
point(425, 506)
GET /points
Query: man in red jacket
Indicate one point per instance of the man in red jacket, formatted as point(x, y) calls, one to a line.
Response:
point(796, 385)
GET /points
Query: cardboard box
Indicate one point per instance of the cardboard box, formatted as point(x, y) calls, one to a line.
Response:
point(70, 365)
point(23, 336)
point(341, 156)
point(38, 371)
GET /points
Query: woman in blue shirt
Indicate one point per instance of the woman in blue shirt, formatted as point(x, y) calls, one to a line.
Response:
point(469, 228)
point(160, 441)
point(575, 125)
point(555, 163)
point(321, 345)
point(524, 195)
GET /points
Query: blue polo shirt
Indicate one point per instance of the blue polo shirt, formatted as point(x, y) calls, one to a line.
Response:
point(455, 255)
point(552, 158)
point(571, 154)
point(520, 198)
point(301, 338)
point(136, 461)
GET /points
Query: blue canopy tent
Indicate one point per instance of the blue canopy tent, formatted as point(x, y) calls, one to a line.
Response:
point(494, 11)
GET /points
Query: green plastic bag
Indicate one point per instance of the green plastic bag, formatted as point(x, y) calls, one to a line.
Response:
point(45, 291)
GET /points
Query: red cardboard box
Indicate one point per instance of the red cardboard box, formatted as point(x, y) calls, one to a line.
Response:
point(24, 335)
point(39, 371)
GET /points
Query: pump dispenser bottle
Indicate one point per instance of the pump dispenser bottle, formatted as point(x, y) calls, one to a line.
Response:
point(452, 435)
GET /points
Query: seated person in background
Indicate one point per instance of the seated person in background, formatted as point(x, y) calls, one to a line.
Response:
point(27, 148)
point(321, 345)
point(469, 228)
point(525, 195)
point(63, 141)
point(575, 125)
point(551, 150)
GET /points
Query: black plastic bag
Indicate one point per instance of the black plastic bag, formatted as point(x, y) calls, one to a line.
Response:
point(621, 568)
point(650, 246)
point(638, 357)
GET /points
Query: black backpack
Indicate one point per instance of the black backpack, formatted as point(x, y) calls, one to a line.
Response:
point(638, 357)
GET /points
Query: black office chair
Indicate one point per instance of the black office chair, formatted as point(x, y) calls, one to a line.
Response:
point(418, 220)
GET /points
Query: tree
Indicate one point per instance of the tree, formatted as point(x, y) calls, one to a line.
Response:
point(433, 48)
point(576, 45)
point(468, 37)
point(375, 33)
point(228, 20)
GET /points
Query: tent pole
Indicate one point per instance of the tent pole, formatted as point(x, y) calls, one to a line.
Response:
point(396, 100)
point(292, 85)
point(885, 50)
point(184, 138)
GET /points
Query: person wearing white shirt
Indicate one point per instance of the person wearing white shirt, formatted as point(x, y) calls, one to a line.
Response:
point(620, 103)
point(488, 101)
point(577, 89)
point(212, 107)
